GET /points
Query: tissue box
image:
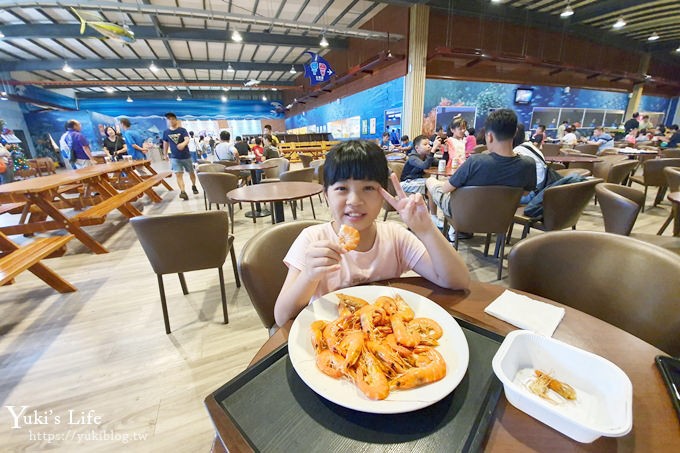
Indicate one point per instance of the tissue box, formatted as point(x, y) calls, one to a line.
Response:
point(604, 401)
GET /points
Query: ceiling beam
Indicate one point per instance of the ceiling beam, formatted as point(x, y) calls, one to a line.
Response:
point(152, 83)
point(64, 31)
point(51, 65)
point(196, 94)
point(211, 15)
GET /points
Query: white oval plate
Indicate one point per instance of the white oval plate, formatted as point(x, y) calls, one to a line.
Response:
point(452, 346)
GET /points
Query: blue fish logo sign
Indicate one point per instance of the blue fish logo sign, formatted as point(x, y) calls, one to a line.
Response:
point(318, 70)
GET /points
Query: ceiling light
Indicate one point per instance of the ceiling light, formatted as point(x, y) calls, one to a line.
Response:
point(289, 106)
point(129, 99)
point(224, 99)
point(153, 67)
point(275, 89)
point(172, 88)
point(2, 35)
point(109, 89)
point(230, 68)
point(236, 36)
point(292, 69)
point(653, 37)
point(3, 96)
point(567, 12)
point(620, 23)
point(324, 41)
point(226, 88)
point(67, 68)
point(678, 49)
point(264, 97)
point(179, 99)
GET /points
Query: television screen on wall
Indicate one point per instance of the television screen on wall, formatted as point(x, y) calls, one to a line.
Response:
point(523, 95)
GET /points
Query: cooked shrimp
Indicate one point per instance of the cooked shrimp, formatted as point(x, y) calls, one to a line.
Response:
point(402, 334)
point(333, 333)
point(348, 237)
point(563, 389)
point(349, 304)
point(431, 367)
point(330, 363)
point(426, 329)
point(370, 380)
point(399, 349)
point(403, 309)
point(386, 303)
point(388, 357)
point(317, 335)
point(352, 345)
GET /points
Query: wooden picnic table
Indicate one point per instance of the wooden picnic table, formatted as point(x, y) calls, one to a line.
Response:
point(44, 199)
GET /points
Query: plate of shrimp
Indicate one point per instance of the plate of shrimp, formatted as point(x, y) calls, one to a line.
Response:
point(378, 349)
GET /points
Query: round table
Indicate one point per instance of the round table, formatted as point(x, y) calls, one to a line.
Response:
point(448, 172)
point(255, 178)
point(571, 158)
point(655, 425)
point(276, 193)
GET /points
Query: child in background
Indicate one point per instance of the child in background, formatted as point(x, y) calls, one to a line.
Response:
point(632, 136)
point(355, 178)
point(258, 150)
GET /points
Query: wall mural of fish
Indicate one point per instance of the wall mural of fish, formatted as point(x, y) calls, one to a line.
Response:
point(107, 29)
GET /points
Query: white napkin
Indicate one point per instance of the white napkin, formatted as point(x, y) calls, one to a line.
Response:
point(526, 313)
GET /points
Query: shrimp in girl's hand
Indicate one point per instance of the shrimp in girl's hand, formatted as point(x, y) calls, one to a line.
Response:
point(349, 304)
point(317, 335)
point(330, 363)
point(348, 237)
point(430, 367)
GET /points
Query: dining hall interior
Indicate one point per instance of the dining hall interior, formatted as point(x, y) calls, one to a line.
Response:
point(103, 348)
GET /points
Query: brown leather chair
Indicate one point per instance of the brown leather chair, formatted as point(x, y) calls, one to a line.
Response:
point(214, 168)
point(551, 149)
point(620, 206)
point(669, 153)
point(304, 175)
point(272, 174)
point(587, 148)
point(557, 166)
point(621, 171)
point(499, 205)
point(571, 171)
point(215, 187)
point(653, 175)
point(396, 168)
point(306, 159)
point(610, 152)
point(262, 269)
point(478, 149)
point(673, 179)
point(601, 169)
point(562, 207)
point(318, 166)
point(179, 243)
point(625, 282)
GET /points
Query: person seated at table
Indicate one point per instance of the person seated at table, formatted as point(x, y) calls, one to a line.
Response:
point(420, 159)
point(114, 144)
point(242, 147)
point(528, 149)
point(224, 149)
point(355, 178)
point(270, 151)
point(405, 146)
point(500, 167)
point(176, 140)
point(577, 132)
point(539, 137)
point(569, 137)
point(632, 136)
point(258, 150)
point(674, 140)
point(385, 142)
point(470, 142)
point(602, 139)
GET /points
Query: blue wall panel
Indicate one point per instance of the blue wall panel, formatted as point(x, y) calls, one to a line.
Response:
point(367, 104)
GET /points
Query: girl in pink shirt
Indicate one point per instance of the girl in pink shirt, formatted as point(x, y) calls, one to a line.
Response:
point(355, 178)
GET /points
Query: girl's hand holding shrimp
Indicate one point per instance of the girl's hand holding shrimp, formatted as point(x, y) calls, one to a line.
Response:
point(411, 208)
point(321, 258)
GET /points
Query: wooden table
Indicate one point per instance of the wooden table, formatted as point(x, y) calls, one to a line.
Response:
point(566, 160)
point(255, 178)
point(448, 172)
point(655, 425)
point(45, 195)
point(275, 193)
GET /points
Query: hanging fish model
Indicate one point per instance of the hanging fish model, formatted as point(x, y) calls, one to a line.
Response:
point(107, 29)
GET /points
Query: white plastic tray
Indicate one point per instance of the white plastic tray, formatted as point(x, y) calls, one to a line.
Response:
point(604, 403)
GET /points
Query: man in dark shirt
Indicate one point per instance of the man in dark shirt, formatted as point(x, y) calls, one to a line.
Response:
point(422, 158)
point(176, 139)
point(674, 141)
point(500, 167)
point(242, 147)
point(632, 123)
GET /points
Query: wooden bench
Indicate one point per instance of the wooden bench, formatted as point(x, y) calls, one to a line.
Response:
point(97, 213)
point(18, 259)
point(12, 208)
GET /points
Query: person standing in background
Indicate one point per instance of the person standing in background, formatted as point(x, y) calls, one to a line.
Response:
point(6, 158)
point(455, 144)
point(193, 147)
point(270, 151)
point(114, 144)
point(225, 150)
point(258, 150)
point(470, 142)
point(176, 140)
point(133, 140)
point(80, 156)
point(268, 131)
point(242, 147)
point(562, 129)
point(632, 123)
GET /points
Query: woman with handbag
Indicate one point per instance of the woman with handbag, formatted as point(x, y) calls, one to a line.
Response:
point(114, 144)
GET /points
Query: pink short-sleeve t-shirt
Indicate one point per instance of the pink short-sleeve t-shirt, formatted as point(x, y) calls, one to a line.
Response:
point(395, 251)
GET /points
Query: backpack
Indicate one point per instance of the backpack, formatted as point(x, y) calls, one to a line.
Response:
point(65, 148)
point(551, 175)
point(535, 207)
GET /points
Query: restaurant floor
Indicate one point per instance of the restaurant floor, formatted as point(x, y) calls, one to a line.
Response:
point(96, 365)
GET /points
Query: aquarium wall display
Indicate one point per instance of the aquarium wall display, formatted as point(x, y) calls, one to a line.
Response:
point(360, 115)
point(47, 127)
point(548, 105)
